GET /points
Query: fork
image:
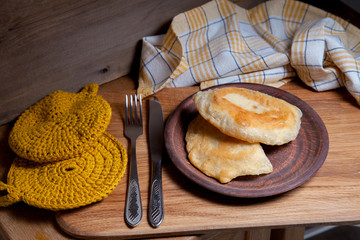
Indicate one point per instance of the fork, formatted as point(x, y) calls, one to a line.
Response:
point(133, 129)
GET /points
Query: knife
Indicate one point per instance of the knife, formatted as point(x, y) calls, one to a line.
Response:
point(156, 142)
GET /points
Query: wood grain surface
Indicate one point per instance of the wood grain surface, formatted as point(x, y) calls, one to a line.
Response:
point(51, 45)
point(63, 45)
point(331, 196)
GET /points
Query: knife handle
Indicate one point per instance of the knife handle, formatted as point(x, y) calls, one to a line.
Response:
point(156, 204)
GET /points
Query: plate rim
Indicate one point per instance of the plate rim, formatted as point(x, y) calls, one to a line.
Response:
point(219, 187)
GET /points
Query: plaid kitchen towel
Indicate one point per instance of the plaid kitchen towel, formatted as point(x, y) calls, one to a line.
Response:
point(270, 44)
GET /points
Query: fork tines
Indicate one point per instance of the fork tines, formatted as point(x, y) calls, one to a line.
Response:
point(131, 116)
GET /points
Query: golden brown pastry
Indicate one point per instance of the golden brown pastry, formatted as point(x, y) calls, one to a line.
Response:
point(223, 157)
point(249, 115)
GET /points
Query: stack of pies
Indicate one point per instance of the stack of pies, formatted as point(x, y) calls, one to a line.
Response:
point(224, 140)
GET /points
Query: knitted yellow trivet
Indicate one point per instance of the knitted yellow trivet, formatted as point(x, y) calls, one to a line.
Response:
point(70, 183)
point(60, 126)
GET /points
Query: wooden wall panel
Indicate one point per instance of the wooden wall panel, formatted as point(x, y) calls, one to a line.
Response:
point(48, 45)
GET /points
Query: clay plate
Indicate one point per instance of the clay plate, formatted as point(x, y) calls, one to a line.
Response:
point(294, 163)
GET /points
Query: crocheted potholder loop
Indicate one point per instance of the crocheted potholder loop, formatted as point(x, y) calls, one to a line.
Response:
point(61, 125)
point(12, 195)
point(71, 183)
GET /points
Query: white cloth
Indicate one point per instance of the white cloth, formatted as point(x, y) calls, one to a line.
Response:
point(272, 43)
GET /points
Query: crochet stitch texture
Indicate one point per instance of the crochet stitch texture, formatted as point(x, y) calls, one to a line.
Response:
point(65, 158)
point(69, 183)
point(61, 125)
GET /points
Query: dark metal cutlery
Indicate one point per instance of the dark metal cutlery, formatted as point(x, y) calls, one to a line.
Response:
point(156, 143)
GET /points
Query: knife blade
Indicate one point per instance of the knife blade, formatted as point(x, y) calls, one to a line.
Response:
point(156, 143)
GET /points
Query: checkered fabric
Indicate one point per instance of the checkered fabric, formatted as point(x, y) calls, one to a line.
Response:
point(272, 43)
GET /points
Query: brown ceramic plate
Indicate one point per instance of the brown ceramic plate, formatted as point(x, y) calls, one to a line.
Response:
point(294, 163)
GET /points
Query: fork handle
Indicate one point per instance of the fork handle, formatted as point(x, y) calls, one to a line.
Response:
point(133, 208)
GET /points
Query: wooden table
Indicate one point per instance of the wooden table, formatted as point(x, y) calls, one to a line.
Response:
point(330, 197)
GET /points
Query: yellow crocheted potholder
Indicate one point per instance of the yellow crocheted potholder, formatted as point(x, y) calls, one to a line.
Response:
point(70, 183)
point(60, 126)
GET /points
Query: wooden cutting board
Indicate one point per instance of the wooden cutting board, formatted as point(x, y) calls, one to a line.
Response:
point(331, 196)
